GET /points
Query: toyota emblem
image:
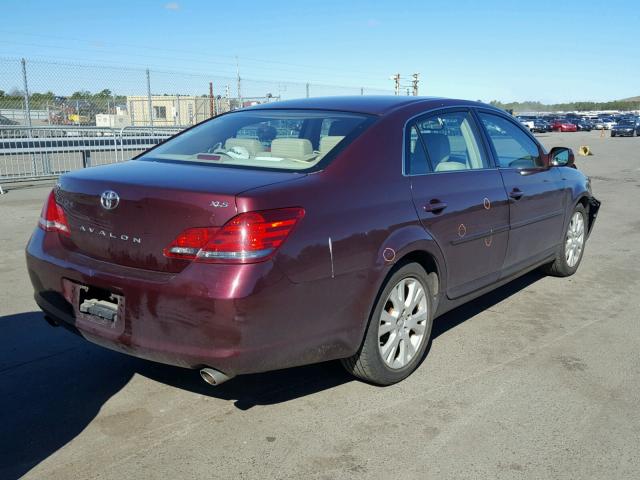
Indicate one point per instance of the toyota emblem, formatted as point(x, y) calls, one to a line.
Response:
point(109, 200)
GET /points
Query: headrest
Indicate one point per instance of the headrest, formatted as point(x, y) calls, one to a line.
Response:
point(251, 144)
point(299, 148)
point(449, 166)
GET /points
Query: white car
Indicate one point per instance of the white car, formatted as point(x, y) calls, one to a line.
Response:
point(527, 123)
point(608, 123)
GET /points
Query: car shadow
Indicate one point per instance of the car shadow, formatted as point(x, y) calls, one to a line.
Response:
point(54, 383)
point(458, 315)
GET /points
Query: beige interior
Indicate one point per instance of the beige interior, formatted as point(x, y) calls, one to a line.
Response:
point(298, 148)
point(328, 142)
point(448, 166)
point(252, 145)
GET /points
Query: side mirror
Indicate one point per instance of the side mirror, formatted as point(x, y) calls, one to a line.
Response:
point(561, 157)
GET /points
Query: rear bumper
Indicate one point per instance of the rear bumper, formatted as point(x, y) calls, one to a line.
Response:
point(235, 318)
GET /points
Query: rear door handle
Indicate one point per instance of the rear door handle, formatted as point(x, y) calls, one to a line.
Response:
point(516, 194)
point(435, 206)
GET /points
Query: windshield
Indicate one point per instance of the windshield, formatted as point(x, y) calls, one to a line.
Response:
point(273, 139)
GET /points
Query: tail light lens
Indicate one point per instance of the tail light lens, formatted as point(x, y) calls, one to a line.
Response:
point(52, 218)
point(246, 238)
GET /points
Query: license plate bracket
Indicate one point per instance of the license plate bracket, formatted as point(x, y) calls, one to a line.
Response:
point(98, 305)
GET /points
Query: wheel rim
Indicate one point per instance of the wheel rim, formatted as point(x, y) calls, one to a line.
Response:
point(575, 239)
point(403, 323)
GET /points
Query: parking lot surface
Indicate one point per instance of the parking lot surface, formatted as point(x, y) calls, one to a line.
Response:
point(538, 379)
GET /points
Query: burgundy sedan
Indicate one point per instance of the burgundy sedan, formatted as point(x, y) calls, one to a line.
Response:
point(305, 231)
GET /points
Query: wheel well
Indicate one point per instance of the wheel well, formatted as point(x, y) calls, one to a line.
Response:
point(584, 201)
point(428, 262)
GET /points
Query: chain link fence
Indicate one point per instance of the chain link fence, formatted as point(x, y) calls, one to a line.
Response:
point(57, 116)
point(38, 93)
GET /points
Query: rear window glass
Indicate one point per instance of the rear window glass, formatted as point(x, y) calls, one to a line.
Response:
point(273, 139)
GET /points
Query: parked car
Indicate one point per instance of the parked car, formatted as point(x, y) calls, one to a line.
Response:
point(582, 125)
point(527, 122)
point(541, 126)
point(598, 124)
point(626, 128)
point(6, 121)
point(608, 123)
point(564, 126)
point(214, 251)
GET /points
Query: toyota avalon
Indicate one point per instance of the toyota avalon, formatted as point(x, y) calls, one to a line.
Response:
point(304, 231)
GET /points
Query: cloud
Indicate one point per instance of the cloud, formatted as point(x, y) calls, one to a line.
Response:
point(372, 23)
point(172, 6)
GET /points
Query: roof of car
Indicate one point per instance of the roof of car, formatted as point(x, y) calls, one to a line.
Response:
point(370, 104)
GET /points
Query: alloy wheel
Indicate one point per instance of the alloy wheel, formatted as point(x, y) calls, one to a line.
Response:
point(575, 239)
point(403, 322)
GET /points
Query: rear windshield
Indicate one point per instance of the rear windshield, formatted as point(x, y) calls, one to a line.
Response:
point(270, 139)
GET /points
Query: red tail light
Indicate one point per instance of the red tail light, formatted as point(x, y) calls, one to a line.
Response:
point(52, 218)
point(246, 238)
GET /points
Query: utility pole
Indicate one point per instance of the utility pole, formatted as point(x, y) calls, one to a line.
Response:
point(239, 82)
point(414, 82)
point(396, 79)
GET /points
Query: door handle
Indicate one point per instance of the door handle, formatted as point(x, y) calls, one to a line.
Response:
point(435, 206)
point(516, 194)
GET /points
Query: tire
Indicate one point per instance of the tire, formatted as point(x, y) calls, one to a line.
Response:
point(565, 265)
point(369, 364)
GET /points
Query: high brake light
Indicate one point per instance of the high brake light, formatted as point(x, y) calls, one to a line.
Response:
point(246, 238)
point(52, 218)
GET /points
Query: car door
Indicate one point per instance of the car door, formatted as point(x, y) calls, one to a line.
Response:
point(459, 197)
point(535, 192)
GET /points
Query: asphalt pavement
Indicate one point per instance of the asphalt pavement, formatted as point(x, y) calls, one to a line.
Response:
point(538, 379)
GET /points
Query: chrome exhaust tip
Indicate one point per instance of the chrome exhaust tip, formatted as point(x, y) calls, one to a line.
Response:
point(214, 377)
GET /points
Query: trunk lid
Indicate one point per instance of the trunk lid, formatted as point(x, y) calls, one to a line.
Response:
point(156, 201)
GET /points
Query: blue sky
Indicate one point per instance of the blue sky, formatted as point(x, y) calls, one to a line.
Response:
point(493, 49)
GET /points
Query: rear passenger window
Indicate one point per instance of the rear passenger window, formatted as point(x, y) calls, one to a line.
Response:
point(514, 148)
point(451, 144)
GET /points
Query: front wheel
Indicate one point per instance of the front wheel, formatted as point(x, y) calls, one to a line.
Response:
point(399, 329)
point(569, 257)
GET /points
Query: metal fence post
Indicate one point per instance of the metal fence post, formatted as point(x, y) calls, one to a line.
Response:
point(27, 108)
point(149, 100)
point(177, 117)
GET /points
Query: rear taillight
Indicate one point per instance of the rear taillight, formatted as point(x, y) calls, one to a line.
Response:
point(52, 218)
point(247, 237)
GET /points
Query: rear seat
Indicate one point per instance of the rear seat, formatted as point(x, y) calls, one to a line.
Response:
point(253, 146)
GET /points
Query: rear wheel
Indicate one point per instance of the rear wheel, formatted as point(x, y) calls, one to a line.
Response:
point(568, 258)
point(398, 331)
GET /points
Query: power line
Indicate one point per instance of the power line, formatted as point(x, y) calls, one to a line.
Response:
point(193, 55)
point(301, 77)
